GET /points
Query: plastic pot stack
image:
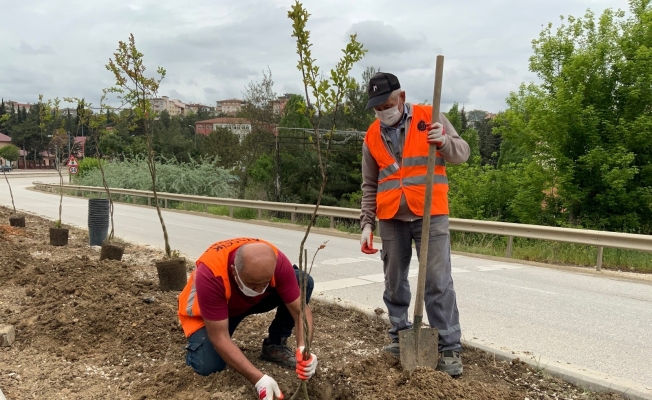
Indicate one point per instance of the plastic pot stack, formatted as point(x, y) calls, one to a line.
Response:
point(98, 221)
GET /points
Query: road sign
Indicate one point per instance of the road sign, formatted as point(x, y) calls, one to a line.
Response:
point(72, 169)
point(72, 162)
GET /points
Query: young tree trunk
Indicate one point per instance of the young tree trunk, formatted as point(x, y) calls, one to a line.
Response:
point(10, 192)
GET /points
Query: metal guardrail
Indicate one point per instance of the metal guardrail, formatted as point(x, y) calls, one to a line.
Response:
point(600, 239)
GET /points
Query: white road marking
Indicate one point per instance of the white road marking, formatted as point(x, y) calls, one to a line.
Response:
point(497, 267)
point(345, 260)
point(375, 278)
point(340, 284)
point(366, 280)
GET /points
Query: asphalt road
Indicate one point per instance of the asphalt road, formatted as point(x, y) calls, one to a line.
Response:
point(585, 320)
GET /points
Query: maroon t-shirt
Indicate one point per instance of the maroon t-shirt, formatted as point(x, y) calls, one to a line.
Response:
point(212, 296)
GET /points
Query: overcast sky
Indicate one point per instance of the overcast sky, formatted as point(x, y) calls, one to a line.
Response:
point(213, 48)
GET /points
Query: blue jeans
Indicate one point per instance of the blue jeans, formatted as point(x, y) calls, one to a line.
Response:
point(202, 356)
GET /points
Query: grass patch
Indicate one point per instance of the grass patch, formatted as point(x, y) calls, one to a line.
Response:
point(552, 252)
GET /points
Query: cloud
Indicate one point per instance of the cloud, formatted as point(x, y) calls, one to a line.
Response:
point(229, 67)
point(382, 39)
point(212, 49)
point(25, 48)
point(173, 94)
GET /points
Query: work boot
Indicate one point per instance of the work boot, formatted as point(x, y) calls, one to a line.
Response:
point(280, 354)
point(450, 362)
point(393, 348)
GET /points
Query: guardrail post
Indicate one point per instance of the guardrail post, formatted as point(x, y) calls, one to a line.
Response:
point(165, 203)
point(510, 245)
point(185, 205)
point(149, 201)
point(598, 265)
point(293, 217)
point(231, 211)
point(332, 222)
point(260, 214)
point(205, 207)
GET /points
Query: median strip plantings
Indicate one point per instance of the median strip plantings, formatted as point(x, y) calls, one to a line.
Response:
point(118, 337)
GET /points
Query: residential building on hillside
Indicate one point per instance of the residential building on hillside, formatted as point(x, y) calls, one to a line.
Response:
point(174, 107)
point(229, 107)
point(239, 126)
point(9, 103)
point(72, 111)
point(4, 141)
point(279, 104)
point(196, 108)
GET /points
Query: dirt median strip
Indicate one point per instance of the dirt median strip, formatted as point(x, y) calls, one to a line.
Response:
point(582, 377)
point(89, 329)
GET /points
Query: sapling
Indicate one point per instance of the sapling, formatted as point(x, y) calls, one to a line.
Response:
point(136, 90)
point(323, 96)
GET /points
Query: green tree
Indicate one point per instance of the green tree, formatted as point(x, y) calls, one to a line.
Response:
point(259, 97)
point(224, 144)
point(489, 142)
point(356, 116)
point(464, 122)
point(588, 123)
point(454, 117)
point(10, 153)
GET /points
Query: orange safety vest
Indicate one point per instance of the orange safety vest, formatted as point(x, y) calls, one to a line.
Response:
point(216, 258)
point(409, 178)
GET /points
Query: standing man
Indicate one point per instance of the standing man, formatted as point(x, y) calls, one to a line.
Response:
point(394, 163)
point(233, 279)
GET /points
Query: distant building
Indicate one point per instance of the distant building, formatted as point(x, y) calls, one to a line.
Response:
point(71, 111)
point(79, 147)
point(196, 108)
point(16, 105)
point(239, 126)
point(174, 107)
point(4, 141)
point(279, 104)
point(229, 107)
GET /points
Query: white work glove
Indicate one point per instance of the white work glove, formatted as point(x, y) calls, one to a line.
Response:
point(305, 369)
point(267, 388)
point(365, 238)
point(437, 135)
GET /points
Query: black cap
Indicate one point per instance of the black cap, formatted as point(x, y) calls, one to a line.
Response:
point(381, 85)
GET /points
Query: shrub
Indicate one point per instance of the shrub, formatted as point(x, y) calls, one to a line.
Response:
point(201, 178)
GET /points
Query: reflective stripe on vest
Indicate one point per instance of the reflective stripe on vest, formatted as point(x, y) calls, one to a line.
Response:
point(407, 179)
point(216, 258)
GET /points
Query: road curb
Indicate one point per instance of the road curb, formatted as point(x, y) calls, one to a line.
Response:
point(584, 378)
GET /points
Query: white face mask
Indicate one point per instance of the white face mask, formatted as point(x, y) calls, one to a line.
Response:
point(245, 290)
point(389, 116)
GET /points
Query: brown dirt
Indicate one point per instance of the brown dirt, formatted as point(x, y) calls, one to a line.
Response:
point(88, 329)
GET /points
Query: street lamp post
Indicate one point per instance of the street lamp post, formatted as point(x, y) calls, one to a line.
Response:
point(193, 128)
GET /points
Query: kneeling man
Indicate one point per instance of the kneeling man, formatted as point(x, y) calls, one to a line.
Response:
point(235, 278)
